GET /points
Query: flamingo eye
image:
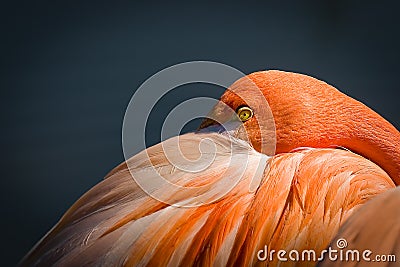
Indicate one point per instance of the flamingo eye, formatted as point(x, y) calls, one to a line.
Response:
point(244, 113)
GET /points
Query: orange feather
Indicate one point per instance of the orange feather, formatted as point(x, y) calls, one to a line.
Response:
point(299, 203)
point(374, 227)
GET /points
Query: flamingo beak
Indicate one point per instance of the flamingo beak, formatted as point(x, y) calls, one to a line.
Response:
point(221, 119)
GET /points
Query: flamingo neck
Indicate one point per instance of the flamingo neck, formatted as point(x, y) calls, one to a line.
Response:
point(377, 140)
point(340, 121)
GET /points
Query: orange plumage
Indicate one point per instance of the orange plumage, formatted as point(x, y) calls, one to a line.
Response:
point(374, 227)
point(244, 200)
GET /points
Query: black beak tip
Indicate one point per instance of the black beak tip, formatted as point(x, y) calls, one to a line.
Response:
point(207, 123)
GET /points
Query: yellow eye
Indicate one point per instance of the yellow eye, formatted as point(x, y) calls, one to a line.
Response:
point(244, 113)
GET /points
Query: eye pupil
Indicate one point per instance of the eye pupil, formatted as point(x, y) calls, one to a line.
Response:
point(244, 113)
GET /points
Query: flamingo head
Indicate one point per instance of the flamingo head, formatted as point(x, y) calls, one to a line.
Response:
point(281, 111)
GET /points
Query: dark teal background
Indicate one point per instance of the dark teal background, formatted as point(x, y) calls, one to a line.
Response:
point(69, 68)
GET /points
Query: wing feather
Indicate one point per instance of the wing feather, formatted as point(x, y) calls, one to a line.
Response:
point(374, 227)
point(236, 202)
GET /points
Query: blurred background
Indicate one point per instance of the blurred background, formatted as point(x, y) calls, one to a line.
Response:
point(69, 69)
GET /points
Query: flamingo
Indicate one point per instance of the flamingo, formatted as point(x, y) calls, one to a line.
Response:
point(248, 195)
